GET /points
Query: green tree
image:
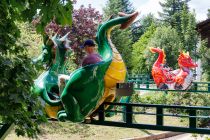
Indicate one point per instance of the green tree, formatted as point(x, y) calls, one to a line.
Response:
point(112, 7)
point(188, 34)
point(127, 6)
point(139, 27)
point(121, 39)
point(16, 69)
point(135, 28)
point(204, 54)
point(147, 21)
point(171, 14)
point(167, 38)
point(29, 39)
point(138, 53)
point(208, 14)
point(176, 14)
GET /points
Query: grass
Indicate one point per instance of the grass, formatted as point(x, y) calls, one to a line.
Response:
point(79, 131)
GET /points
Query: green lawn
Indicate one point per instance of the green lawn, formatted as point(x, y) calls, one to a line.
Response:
point(78, 131)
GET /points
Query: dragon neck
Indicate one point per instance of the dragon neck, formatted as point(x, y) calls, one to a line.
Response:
point(160, 59)
point(58, 65)
point(109, 37)
point(115, 52)
point(103, 38)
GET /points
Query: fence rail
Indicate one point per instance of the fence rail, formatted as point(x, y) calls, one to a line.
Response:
point(148, 84)
point(192, 112)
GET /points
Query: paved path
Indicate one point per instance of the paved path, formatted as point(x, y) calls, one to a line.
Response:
point(188, 136)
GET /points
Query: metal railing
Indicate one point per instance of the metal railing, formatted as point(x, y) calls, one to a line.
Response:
point(128, 119)
point(143, 82)
point(202, 87)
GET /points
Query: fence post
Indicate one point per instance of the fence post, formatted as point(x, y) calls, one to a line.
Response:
point(147, 84)
point(138, 84)
point(101, 116)
point(192, 120)
point(159, 115)
point(129, 114)
point(196, 86)
point(208, 87)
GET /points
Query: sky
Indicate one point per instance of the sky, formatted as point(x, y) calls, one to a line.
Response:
point(152, 6)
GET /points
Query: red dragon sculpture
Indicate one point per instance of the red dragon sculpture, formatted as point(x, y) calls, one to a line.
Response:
point(166, 78)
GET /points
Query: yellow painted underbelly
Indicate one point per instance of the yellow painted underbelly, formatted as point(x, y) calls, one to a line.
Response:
point(116, 73)
point(52, 111)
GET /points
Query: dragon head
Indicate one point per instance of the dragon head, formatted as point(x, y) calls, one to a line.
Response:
point(61, 40)
point(185, 60)
point(129, 19)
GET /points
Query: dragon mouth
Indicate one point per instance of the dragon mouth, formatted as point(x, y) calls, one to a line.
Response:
point(194, 65)
point(132, 17)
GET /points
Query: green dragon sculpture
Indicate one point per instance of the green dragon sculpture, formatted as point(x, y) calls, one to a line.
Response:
point(55, 52)
point(90, 86)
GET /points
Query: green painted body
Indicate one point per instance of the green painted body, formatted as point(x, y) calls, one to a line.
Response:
point(47, 82)
point(86, 86)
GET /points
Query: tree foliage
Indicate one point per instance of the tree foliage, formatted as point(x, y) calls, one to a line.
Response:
point(204, 52)
point(127, 6)
point(58, 10)
point(16, 69)
point(177, 14)
point(138, 53)
point(144, 23)
point(85, 23)
point(204, 55)
point(84, 26)
point(171, 14)
point(188, 33)
point(135, 28)
point(29, 38)
point(208, 14)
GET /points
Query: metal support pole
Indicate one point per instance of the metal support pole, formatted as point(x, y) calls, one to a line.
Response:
point(192, 120)
point(101, 116)
point(129, 115)
point(196, 86)
point(159, 117)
